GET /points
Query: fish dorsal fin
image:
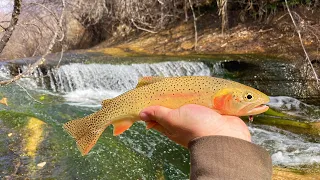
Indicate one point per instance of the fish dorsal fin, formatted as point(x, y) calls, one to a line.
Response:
point(148, 80)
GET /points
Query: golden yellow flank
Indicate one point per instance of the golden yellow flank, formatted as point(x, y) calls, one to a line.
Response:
point(224, 96)
point(34, 136)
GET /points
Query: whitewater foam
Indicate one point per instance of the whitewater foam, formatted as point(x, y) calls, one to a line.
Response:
point(295, 107)
point(286, 148)
point(89, 97)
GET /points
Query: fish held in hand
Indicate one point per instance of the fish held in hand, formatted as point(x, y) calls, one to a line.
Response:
point(224, 96)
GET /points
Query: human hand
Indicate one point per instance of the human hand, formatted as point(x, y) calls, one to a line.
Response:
point(192, 121)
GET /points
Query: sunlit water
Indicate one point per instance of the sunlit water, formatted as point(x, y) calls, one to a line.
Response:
point(82, 87)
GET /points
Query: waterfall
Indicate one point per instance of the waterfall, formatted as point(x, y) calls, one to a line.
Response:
point(89, 84)
point(119, 77)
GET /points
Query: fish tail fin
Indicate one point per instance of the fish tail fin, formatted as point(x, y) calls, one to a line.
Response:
point(85, 132)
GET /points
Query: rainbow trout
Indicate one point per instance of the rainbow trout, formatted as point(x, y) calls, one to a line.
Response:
point(224, 96)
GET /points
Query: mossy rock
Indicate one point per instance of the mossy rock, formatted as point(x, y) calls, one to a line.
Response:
point(310, 129)
point(47, 98)
point(14, 120)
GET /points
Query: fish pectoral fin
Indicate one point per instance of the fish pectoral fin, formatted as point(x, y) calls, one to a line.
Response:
point(121, 125)
point(148, 80)
point(221, 98)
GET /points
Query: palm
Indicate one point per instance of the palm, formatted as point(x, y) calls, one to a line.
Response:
point(191, 121)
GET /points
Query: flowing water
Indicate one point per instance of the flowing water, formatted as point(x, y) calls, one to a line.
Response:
point(55, 95)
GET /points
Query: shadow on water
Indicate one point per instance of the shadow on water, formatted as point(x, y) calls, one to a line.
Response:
point(76, 88)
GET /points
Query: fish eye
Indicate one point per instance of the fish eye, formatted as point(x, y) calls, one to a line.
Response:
point(248, 96)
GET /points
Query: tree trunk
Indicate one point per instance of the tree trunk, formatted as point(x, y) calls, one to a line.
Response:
point(223, 12)
point(14, 20)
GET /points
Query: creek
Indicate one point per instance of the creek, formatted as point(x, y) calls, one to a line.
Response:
point(34, 145)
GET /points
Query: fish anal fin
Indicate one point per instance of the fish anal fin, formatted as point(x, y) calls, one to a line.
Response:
point(148, 80)
point(122, 125)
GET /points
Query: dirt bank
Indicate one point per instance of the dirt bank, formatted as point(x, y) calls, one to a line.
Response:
point(277, 37)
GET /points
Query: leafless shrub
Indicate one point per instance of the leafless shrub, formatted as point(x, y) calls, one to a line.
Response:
point(57, 35)
point(301, 26)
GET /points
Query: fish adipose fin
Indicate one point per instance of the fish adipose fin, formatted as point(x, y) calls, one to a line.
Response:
point(148, 80)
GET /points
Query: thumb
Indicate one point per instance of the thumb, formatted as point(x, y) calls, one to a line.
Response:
point(159, 114)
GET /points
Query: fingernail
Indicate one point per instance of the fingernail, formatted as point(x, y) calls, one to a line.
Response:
point(145, 116)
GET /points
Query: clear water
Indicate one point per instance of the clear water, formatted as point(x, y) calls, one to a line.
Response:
point(75, 90)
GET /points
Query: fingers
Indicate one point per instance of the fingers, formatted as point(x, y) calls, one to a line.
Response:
point(150, 124)
point(156, 113)
point(241, 126)
point(159, 128)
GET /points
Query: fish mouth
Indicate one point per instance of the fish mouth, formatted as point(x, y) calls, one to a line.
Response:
point(258, 109)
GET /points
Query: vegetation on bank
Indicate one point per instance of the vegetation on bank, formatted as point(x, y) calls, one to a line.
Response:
point(169, 27)
point(88, 23)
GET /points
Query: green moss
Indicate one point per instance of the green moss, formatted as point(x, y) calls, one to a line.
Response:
point(47, 98)
point(287, 124)
point(100, 57)
point(3, 146)
point(14, 119)
point(272, 112)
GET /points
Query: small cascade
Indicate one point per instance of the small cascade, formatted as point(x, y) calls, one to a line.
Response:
point(120, 78)
point(89, 84)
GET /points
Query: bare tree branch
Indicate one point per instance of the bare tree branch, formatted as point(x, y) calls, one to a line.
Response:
point(28, 93)
point(42, 59)
point(298, 30)
point(3, 27)
point(61, 55)
point(53, 15)
point(195, 26)
point(223, 12)
point(150, 31)
point(14, 20)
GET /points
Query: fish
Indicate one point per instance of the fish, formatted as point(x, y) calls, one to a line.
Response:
point(224, 96)
point(4, 101)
